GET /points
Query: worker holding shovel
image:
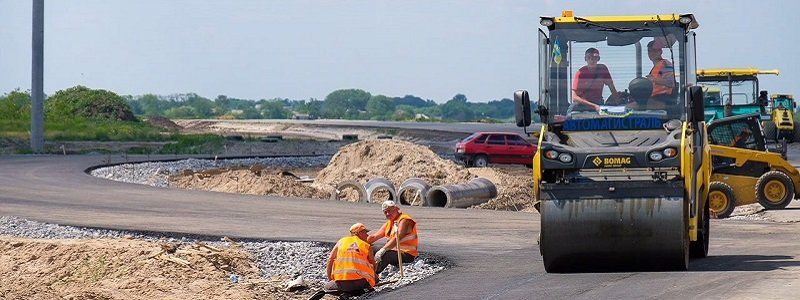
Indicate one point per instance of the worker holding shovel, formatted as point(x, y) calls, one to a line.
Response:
point(401, 231)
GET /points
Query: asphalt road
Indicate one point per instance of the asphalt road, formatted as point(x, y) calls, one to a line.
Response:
point(495, 253)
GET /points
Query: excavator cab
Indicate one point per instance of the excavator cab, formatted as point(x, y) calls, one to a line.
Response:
point(621, 181)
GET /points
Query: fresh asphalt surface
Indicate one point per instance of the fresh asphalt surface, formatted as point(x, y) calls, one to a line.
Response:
point(495, 253)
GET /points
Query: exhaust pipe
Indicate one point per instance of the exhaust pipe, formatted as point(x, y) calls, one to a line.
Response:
point(379, 183)
point(417, 185)
point(474, 192)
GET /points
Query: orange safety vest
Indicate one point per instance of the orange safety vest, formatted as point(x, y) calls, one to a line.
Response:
point(659, 70)
point(352, 261)
point(409, 243)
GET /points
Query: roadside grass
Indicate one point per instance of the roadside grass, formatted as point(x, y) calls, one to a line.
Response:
point(115, 131)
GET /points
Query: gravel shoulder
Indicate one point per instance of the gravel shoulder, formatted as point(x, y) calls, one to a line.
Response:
point(114, 264)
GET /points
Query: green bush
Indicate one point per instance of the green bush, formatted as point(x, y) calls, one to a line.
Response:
point(83, 102)
point(15, 105)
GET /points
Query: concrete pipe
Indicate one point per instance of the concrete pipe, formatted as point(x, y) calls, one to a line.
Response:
point(362, 193)
point(379, 183)
point(417, 185)
point(474, 192)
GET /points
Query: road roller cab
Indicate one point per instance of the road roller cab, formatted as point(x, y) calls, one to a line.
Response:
point(744, 172)
point(621, 182)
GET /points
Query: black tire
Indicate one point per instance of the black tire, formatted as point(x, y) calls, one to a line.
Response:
point(721, 199)
point(770, 131)
point(774, 190)
point(480, 161)
point(699, 248)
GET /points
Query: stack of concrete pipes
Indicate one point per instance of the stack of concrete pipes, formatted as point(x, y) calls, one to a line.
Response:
point(474, 192)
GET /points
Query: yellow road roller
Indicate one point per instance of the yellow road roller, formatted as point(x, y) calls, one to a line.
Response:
point(743, 171)
point(782, 108)
point(623, 166)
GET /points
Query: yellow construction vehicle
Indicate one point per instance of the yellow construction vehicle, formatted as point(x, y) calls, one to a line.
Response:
point(733, 92)
point(621, 178)
point(782, 108)
point(744, 172)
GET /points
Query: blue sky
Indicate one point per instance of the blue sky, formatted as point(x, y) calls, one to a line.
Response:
point(303, 49)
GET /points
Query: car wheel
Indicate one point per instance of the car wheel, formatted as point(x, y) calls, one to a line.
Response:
point(480, 161)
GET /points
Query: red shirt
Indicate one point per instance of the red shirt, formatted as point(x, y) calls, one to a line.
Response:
point(588, 84)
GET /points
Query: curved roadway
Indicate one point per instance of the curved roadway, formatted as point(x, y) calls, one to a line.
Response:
point(495, 253)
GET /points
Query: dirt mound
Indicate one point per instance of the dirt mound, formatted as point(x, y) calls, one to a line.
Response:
point(162, 122)
point(119, 269)
point(514, 192)
point(254, 181)
point(395, 160)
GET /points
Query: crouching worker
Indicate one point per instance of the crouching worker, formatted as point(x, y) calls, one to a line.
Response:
point(350, 265)
point(398, 226)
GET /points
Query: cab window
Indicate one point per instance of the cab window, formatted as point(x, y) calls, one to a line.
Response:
point(736, 135)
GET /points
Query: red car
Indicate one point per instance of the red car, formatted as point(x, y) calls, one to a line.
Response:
point(481, 148)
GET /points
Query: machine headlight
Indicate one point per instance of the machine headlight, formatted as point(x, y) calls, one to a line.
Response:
point(670, 152)
point(546, 22)
point(685, 20)
point(551, 154)
point(565, 157)
point(656, 156)
point(460, 150)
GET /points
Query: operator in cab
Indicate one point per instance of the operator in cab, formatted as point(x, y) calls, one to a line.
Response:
point(662, 75)
point(588, 84)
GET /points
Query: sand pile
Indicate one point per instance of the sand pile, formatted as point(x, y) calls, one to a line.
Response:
point(254, 181)
point(395, 160)
point(119, 269)
point(514, 192)
point(163, 122)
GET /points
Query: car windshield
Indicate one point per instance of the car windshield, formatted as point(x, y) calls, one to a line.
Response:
point(597, 72)
point(723, 91)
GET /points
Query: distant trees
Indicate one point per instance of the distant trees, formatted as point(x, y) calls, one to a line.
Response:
point(339, 104)
point(345, 104)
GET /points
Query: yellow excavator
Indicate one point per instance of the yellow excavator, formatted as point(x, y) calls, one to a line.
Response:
point(621, 176)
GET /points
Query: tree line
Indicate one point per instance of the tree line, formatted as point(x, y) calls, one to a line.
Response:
point(352, 104)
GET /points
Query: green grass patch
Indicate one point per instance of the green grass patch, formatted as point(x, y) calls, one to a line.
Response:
point(85, 130)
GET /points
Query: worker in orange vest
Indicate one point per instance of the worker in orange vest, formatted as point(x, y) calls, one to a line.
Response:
point(398, 226)
point(351, 263)
point(663, 77)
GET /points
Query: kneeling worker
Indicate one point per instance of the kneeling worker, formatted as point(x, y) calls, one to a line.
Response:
point(398, 226)
point(350, 264)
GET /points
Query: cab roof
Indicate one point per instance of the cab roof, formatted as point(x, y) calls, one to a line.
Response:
point(734, 72)
point(568, 16)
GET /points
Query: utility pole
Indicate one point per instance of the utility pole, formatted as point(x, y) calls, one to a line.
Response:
point(37, 78)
